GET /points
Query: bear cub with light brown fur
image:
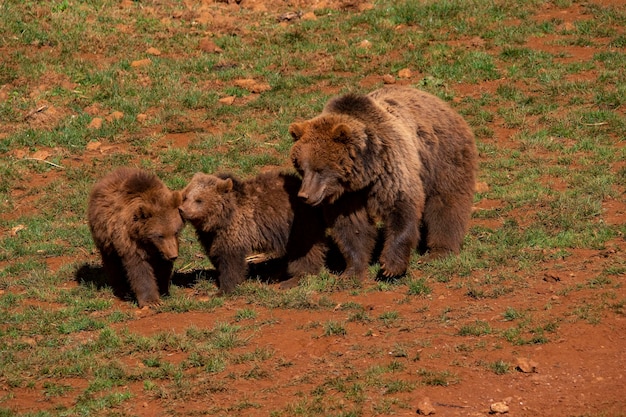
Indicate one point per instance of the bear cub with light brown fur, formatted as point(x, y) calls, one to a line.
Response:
point(135, 222)
point(235, 218)
point(397, 155)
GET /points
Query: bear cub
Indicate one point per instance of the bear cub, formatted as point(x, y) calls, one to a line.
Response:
point(135, 222)
point(397, 155)
point(235, 218)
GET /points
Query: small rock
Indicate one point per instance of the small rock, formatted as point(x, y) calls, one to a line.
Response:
point(389, 79)
point(43, 155)
point(141, 63)
point(116, 115)
point(365, 44)
point(405, 73)
point(16, 229)
point(227, 100)
point(551, 277)
point(141, 117)
point(96, 123)
point(309, 16)
point(289, 16)
point(153, 51)
point(252, 85)
point(425, 407)
point(499, 408)
point(526, 365)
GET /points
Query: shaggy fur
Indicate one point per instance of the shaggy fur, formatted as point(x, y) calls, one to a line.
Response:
point(397, 155)
point(134, 221)
point(236, 218)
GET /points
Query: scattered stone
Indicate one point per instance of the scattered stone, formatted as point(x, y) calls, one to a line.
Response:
point(141, 117)
point(365, 44)
point(425, 407)
point(499, 408)
point(116, 115)
point(551, 277)
point(43, 155)
point(141, 63)
point(289, 16)
point(389, 79)
point(405, 73)
point(227, 100)
point(252, 85)
point(526, 365)
point(153, 51)
point(16, 229)
point(96, 123)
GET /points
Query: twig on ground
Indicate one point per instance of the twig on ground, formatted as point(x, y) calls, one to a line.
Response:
point(43, 160)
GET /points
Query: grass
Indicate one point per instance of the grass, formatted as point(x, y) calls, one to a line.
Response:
point(550, 127)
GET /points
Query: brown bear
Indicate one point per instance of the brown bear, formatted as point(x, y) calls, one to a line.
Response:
point(235, 218)
point(396, 156)
point(135, 222)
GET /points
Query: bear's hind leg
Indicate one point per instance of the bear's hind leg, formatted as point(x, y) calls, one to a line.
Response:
point(309, 264)
point(114, 271)
point(446, 224)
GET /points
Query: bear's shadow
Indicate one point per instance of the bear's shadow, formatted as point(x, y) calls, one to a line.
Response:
point(269, 272)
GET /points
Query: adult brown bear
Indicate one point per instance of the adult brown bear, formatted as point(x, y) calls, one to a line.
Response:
point(235, 218)
point(399, 156)
point(134, 221)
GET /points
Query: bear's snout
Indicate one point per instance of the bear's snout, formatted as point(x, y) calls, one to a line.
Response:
point(303, 194)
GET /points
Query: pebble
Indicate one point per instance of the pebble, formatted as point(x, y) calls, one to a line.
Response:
point(499, 408)
point(425, 407)
point(526, 365)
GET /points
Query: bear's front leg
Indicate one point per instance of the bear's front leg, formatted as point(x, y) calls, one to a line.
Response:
point(163, 273)
point(355, 236)
point(401, 238)
point(142, 280)
point(232, 270)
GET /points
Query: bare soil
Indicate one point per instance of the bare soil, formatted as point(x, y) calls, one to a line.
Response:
point(580, 371)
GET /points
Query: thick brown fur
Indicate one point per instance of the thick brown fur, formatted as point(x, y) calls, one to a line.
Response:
point(134, 221)
point(234, 219)
point(397, 155)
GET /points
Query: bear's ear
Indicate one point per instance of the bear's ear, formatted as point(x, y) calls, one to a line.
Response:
point(224, 186)
point(342, 133)
point(177, 198)
point(296, 130)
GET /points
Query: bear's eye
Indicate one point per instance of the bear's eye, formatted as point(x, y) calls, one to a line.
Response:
point(199, 200)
